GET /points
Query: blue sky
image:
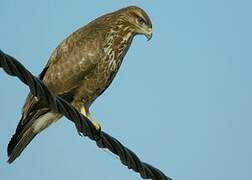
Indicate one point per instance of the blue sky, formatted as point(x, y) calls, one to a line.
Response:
point(181, 101)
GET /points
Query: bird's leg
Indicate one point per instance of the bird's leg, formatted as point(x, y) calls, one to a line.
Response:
point(86, 113)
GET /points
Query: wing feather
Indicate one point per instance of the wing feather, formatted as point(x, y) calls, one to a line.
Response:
point(74, 58)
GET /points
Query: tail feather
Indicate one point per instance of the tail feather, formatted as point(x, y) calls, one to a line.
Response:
point(18, 134)
point(26, 132)
point(17, 145)
point(22, 137)
point(13, 140)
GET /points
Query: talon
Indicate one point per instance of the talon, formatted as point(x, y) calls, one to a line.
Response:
point(97, 125)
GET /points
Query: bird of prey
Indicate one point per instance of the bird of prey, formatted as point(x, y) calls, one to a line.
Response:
point(80, 69)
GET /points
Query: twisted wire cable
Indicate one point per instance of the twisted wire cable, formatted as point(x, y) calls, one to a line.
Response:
point(103, 140)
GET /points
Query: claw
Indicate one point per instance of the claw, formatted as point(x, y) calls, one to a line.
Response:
point(96, 125)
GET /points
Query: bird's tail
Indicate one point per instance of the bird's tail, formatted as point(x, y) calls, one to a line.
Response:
point(18, 143)
point(26, 132)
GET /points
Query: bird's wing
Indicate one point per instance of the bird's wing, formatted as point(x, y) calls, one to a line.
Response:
point(75, 58)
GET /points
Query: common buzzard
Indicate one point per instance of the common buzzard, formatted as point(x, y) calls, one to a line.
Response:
point(80, 69)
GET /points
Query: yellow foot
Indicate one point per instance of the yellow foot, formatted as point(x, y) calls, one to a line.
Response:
point(97, 135)
point(96, 125)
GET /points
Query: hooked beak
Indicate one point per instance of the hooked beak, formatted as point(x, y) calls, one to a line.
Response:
point(148, 34)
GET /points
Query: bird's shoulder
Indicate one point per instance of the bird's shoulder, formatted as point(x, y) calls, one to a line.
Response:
point(76, 56)
point(72, 60)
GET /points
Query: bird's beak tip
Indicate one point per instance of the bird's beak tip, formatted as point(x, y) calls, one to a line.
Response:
point(149, 37)
point(149, 34)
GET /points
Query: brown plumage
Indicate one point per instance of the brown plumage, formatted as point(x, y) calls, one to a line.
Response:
point(80, 69)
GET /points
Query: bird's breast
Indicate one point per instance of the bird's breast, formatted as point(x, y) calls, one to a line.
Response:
point(114, 51)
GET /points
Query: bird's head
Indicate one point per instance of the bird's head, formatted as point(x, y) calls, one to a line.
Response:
point(138, 21)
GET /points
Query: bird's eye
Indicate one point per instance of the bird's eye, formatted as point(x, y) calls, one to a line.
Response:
point(141, 21)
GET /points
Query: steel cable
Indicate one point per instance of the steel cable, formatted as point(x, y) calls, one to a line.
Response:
point(103, 140)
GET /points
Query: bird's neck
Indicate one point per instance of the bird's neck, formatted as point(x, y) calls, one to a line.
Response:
point(116, 46)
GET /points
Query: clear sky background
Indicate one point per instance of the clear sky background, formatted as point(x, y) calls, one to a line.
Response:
point(181, 101)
